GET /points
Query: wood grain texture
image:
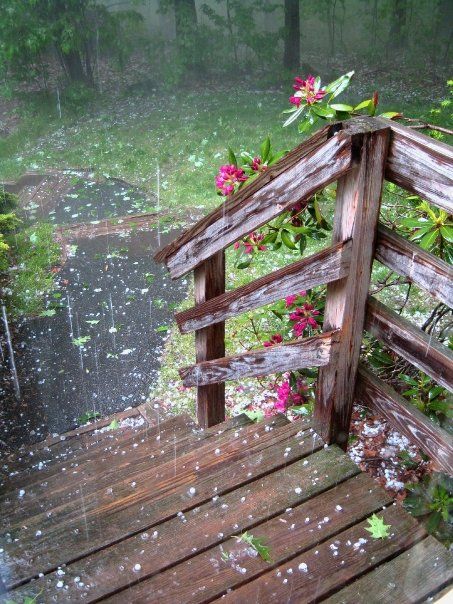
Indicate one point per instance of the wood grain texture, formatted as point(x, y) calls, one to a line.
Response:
point(326, 572)
point(411, 343)
point(406, 418)
point(327, 265)
point(410, 577)
point(70, 534)
point(212, 524)
point(356, 217)
point(409, 260)
point(209, 280)
point(252, 207)
point(196, 582)
point(308, 352)
point(420, 165)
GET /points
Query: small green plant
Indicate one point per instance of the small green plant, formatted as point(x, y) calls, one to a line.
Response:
point(377, 528)
point(88, 416)
point(432, 229)
point(81, 341)
point(114, 425)
point(431, 500)
point(425, 394)
point(256, 543)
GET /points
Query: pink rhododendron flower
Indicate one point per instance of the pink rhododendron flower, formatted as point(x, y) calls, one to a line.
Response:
point(305, 92)
point(304, 316)
point(257, 165)
point(251, 242)
point(275, 339)
point(287, 397)
point(228, 178)
point(289, 300)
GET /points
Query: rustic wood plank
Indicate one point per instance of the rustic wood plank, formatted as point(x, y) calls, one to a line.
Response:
point(421, 165)
point(110, 467)
point(307, 352)
point(327, 265)
point(25, 470)
point(356, 217)
point(425, 352)
point(207, 575)
point(63, 503)
point(327, 568)
point(410, 577)
point(214, 522)
point(66, 537)
point(409, 260)
point(234, 201)
point(406, 418)
point(252, 207)
point(210, 341)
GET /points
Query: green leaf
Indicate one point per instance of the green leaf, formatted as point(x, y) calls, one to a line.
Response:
point(391, 114)
point(114, 425)
point(363, 105)
point(92, 321)
point(265, 149)
point(447, 233)
point(257, 543)
point(294, 116)
point(50, 312)
point(255, 416)
point(81, 341)
point(429, 239)
point(342, 107)
point(377, 528)
point(287, 239)
point(325, 112)
point(414, 223)
point(337, 86)
point(302, 244)
point(162, 328)
point(232, 157)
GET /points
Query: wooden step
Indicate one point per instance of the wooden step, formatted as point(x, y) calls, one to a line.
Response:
point(126, 460)
point(87, 524)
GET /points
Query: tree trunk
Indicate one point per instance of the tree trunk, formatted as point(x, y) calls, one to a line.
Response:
point(185, 18)
point(73, 66)
point(291, 56)
point(398, 34)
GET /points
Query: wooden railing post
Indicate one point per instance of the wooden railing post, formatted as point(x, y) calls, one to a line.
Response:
point(356, 217)
point(210, 341)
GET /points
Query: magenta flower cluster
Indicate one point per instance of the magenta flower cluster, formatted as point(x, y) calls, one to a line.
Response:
point(304, 317)
point(251, 243)
point(275, 339)
point(305, 92)
point(287, 397)
point(229, 178)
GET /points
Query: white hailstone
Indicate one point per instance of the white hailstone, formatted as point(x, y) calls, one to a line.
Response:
point(60, 584)
point(303, 567)
point(338, 508)
point(155, 534)
point(38, 533)
point(191, 492)
point(217, 451)
point(298, 490)
point(137, 567)
point(21, 493)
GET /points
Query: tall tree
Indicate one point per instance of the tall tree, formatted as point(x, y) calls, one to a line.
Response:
point(291, 55)
point(397, 33)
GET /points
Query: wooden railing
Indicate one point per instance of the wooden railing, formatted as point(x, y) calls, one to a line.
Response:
point(360, 154)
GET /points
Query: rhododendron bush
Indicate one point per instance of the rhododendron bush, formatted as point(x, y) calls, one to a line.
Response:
point(300, 315)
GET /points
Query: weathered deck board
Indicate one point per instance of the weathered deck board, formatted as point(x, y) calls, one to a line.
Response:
point(284, 535)
point(327, 571)
point(410, 577)
point(162, 541)
point(88, 524)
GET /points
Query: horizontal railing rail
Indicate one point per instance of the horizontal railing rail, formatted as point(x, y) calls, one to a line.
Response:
point(327, 265)
point(360, 154)
point(378, 396)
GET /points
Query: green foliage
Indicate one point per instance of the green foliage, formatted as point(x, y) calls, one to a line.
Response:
point(431, 399)
point(88, 416)
point(377, 528)
point(432, 501)
point(81, 341)
point(34, 253)
point(431, 229)
point(257, 543)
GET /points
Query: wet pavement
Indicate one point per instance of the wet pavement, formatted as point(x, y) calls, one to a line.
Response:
point(99, 348)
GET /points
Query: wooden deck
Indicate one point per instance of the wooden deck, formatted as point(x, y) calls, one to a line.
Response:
point(149, 514)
